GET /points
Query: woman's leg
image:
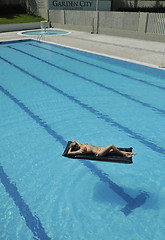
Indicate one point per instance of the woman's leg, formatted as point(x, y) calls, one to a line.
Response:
point(111, 147)
point(108, 149)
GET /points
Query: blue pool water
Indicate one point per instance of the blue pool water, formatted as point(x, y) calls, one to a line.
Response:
point(42, 32)
point(49, 95)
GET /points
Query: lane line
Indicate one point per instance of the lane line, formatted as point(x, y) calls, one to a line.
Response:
point(132, 203)
point(155, 109)
point(32, 221)
point(106, 69)
point(98, 114)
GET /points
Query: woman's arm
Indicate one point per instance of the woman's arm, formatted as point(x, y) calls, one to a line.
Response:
point(75, 152)
point(77, 142)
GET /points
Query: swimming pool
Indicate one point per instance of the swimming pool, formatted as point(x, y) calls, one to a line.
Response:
point(43, 32)
point(51, 94)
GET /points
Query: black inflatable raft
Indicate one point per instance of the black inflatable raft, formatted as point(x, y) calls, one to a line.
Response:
point(108, 158)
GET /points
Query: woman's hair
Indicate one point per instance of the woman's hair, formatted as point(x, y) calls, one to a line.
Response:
point(74, 146)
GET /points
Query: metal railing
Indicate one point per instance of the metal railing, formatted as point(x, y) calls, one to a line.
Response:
point(44, 25)
point(163, 60)
point(41, 37)
point(156, 23)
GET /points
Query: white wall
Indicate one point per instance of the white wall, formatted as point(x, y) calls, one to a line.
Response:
point(19, 27)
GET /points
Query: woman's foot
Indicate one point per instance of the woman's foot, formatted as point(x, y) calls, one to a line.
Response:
point(129, 154)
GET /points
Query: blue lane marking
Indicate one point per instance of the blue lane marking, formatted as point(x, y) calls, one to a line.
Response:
point(106, 118)
point(106, 69)
point(32, 221)
point(132, 203)
point(17, 41)
point(155, 109)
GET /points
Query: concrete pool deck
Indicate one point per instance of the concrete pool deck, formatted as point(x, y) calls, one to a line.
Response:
point(143, 51)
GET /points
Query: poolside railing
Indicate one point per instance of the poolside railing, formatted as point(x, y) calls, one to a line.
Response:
point(163, 60)
point(41, 37)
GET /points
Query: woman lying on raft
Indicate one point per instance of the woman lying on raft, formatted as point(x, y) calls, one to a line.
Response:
point(77, 148)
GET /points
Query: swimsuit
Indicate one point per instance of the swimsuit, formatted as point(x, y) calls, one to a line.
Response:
point(84, 148)
point(98, 151)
